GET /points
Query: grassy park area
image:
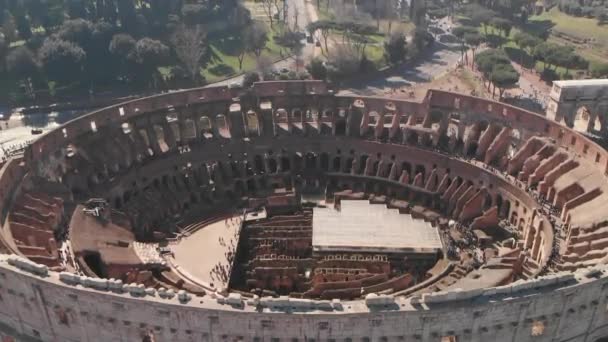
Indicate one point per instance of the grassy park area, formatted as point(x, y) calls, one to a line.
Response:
point(222, 60)
point(590, 38)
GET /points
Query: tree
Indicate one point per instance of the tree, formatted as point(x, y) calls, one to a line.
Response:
point(558, 55)
point(473, 40)
point(98, 53)
point(127, 15)
point(253, 39)
point(479, 15)
point(599, 70)
point(122, 48)
point(316, 68)
point(269, 7)
point(422, 38)
point(460, 33)
point(78, 31)
point(62, 60)
point(193, 14)
point(189, 46)
point(526, 43)
point(149, 55)
point(324, 27)
point(256, 38)
point(544, 52)
point(21, 63)
point(122, 44)
point(486, 60)
point(76, 9)
point(250, 78)
point(23, 26)
point(3, 50)
point(9, 29)
point(503, 25)
point(395, 48)
point(504, 76)
point(343, 63)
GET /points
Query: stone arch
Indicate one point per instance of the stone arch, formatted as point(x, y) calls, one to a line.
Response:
point(324, 159)
point(362, 162)
point(223, 127)
point(281, 116)
point(487, 201)
point(297, 161)
point(189, 129)
point(252, 123)
point(251, 186)
point(126, 127)
point(435, 116)
point(258, 163)
point(373, 117)
point(505, 209)
point(234, 168)
point(310, 160)
point(453, 132)
point(387, 170)
point(160, 136)
point(375, 167)
point(126, 197)
point(239, 187)
point(498, 201)
point(117, 202)
point(285, 163)
point(204, 125)
point(311, 115)
point(297, 115)
point(336, 164)
point(340, 128)
point(420, 169)
point(272, 165)
point(348, 165)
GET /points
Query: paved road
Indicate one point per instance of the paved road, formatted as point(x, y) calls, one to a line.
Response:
point(439, 59)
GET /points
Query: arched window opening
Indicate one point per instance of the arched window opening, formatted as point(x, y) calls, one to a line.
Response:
point(252, 123)
point(222, 126)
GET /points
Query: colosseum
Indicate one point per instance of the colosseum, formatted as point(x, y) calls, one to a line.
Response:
point(288, 212)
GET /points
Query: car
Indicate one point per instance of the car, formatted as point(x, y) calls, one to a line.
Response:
point(36, 131)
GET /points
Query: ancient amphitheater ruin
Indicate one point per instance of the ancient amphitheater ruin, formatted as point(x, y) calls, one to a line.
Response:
point(286, 212)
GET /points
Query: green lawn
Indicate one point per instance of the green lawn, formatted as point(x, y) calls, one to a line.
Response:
point(592, 54)
point(578, 27)
point(223, 56)
point(596, 50)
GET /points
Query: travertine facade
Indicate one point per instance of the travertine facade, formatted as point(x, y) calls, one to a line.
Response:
point(468, 159)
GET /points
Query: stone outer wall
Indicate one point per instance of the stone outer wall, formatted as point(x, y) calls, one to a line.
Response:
point(47, 309)
point(35, 307)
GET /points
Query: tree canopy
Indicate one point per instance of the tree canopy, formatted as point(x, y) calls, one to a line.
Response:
point(21, 62)
point(395, 48)
point(61, 60)
point(317, 69)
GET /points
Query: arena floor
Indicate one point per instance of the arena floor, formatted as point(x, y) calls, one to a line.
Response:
point(198, 254)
